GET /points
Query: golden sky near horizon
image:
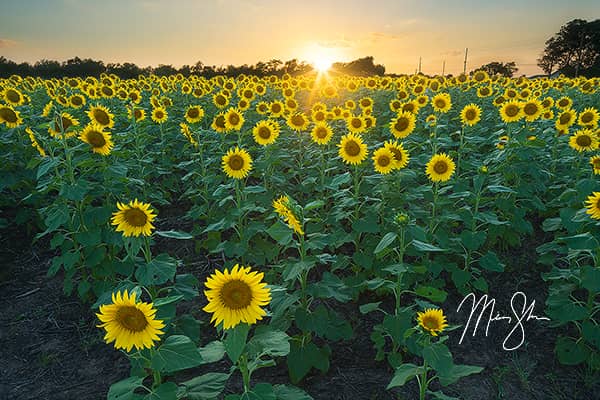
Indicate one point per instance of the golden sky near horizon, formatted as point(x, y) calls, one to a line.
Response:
point(222, 32)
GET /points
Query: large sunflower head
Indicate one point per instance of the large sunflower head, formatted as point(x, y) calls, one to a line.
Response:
point(511, 111)
point(234, 119)
point(356, 124)
point(101, 116)
point(94, 135)
point(470, 114)
point(384, 160)
point(220, 100)
point(584, 140)
point(403, 124)
point(593, 205)
point(237, 163)
point(321, 133)
point(160, 115)
point(266, 132)
point(440, 168)
point(77, 101)
point(194, 114)
point(589, 117)
point(276, 108)
point(134, 219)
point(566, 119)
point(564, 103)
point(532, 109)
point(9, 116)
point(236, 296)
point(130, 323)
point(352, 149)
point(298, 121)
point(441, 102)
point(13, 97)
point(401, 156)
point(432, 320)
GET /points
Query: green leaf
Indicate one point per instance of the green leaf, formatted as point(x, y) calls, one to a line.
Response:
point(160, 270)
point(176, 353)
point(302, 359)
point(123, 390)
point(281, 233)
point(285, 392)
point(472, 240)
point(422, 246)
point(591, 333)
point(205, 387)
point(385, 242)
point(491, 262)
point(45, 166)
point(366, 225)
point(570, 352)
point(292, 271)
point(367, 308)
point(456, 372)
point(166, 391)
point(500, 189)
point(174, 234)
point(397, 325)
point(583, 241)
point(314, 204)
point(261, 391)
point(75, 192)
point(340, 180)
point(235, 342)
point(403, 374)
point(269, 342)
point(590, 278)
point(460, 277)
point(438, 356)
point(212, 352)
point(441, 396)
point(431, 293)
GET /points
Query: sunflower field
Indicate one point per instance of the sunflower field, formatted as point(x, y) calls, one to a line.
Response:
point(308, 198)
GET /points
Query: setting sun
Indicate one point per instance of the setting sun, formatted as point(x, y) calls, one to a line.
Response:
point(322, 64)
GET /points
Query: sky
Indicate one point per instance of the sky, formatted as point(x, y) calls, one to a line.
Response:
point(221, 32)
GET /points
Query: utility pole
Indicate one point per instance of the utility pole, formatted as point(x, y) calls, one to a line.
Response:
point(465, 64)
point(419, 64)
point(443, 68)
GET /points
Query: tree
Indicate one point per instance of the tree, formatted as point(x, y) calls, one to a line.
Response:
point(575, 49)
point(505, 69)
point(362, 67)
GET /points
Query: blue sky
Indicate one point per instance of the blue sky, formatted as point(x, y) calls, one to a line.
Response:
point(221, 32)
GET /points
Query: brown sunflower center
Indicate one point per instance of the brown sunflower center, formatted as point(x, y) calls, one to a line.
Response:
point(401, 124)
point(193, 112)
point(276, 108)
point(471, 114)
point(440, 103)
point(584, 140)
point(66, 123)
point(484, 91)
point(135, 217)
point(440, 167)
point(234, 119)
point(264, 132)
point(356, 123)
point(101, 117)
point(13, 96)
point(397, 154)
point(563, 102)
point(220, 121)
point(297, 120)
point(596, 163)
point(76, 100)
point(236, 162)
point(321, 132)
point(431, 323)
point(96, 139)
point(586, 118)
point(565, 118)
point(236, 295)
point(530, 109)
point(8, 115)
point(107, 91)
point(352, 148)
point(512, 110)
point(384, 161)
point(137, 113)
point(221, 100)
point(131, 319)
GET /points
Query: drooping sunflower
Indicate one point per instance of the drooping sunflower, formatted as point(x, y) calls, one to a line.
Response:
point(321, 133)
point(352, 149)
point(441, 102)
point(187, 133)
point(101, 116)
point(584, 140)
point(440, 168)
point(159, 115)
point(403, 124)
point(194, 114)
point(34, 143)
point(94, 135)
point(283, 208)
point(432, 321)
point(266, 132)
point(384, 160)
point(237, 296)
point(470, 114)
point(67, 121)
point(400, 154)
point(595, 162)
point(138, 113)
point(511, 111)
point(593, 205)
point(237, 163)
point(9, 116)
point(130, 323)
point(234, 119)
point(589, 117)
point(297, 121)
point(47, 109)
point(134, 219)
point(532, 109)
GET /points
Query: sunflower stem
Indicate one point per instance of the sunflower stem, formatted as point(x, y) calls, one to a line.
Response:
point(423, 382)
point(433, 208)
point(398, 291)
point(243, 366)
point(460, 149)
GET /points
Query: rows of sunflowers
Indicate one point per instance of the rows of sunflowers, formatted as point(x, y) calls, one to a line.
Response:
point(307, 192)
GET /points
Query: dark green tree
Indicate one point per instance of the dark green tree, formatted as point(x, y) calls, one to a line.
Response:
point(505, 69)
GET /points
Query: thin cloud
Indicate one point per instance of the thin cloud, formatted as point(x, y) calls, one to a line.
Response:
point(4, 43)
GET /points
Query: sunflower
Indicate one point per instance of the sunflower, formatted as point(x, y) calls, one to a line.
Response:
point(532, 109)
point(352, 149)
point(62, 124)
point(403, 124)
point(511, 111)
point(432, 320)
point(319, 116)
point(484, 91)
point(134, 219)
point(94, 135)
point(356, 124)
point(234, 119)
point(470, 114)
point(431, 120)
point(47, 109)
point(366, 102)
point(566, 119)
point(584, 140)
point(137, 113)
point(13, 97)
point(321, 133)
point(237, 163)
point(384, 160)
point(34, 142)
point(400, 155)
point(236, 296)
point(130, 323)
point(101, 116)
point(160, 115)
point(77, 101)
point(194, 114)
point(441, 102)
point(564, 103)
point(276, 108)
point(297, 121)
point(220, 100)
point(593, 205)
point(440, 168)
point(218, 124)
point(185, 131)
point(9, 116)
point(589, 117)
point(262, 108)
point(283, 208)
point(548, 102)
point(595, 162)
point(266, 132)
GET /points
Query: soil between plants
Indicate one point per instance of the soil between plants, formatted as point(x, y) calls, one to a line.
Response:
point(51, 348)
